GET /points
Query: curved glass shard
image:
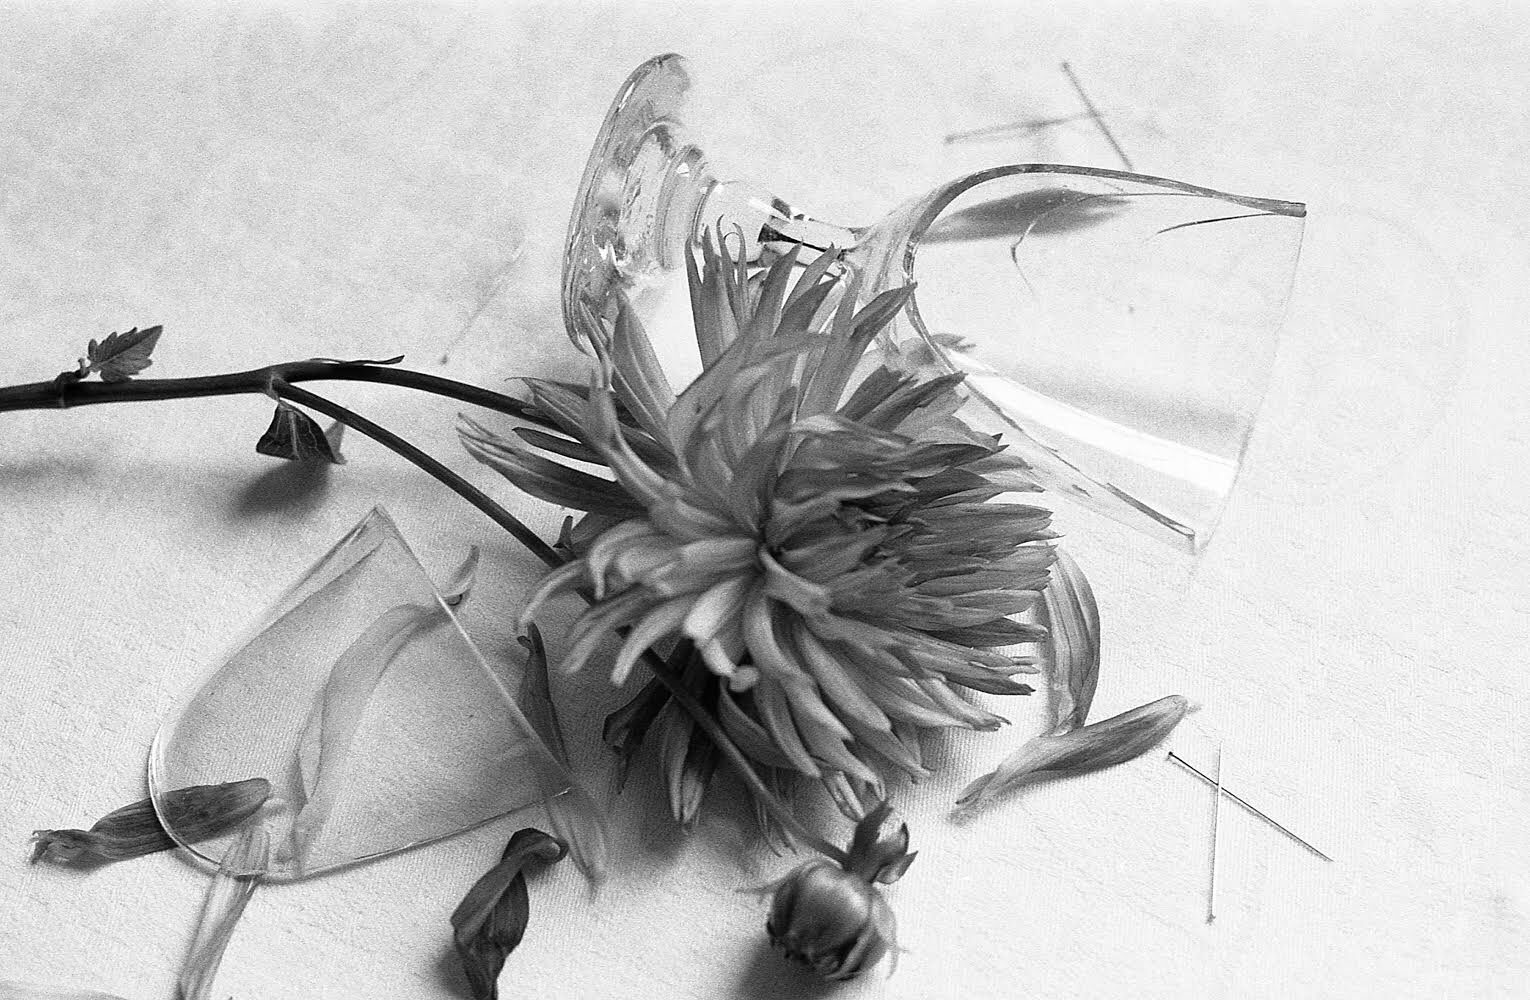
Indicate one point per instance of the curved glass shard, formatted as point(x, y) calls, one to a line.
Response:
point(370, 711)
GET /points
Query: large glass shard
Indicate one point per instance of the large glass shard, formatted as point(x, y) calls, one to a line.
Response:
point(364, 703)
point(1125, 324)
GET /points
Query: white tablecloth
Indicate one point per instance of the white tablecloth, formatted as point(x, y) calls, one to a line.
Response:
point(274, 183)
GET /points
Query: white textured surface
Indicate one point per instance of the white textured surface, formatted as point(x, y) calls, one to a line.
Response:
point(272, 183)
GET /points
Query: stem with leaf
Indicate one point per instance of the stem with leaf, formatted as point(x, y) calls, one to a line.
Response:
point(70, 389)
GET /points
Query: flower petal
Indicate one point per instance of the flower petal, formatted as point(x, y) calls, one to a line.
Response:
point(1079, 751)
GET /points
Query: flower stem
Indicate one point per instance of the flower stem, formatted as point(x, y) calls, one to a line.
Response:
point(709, 725)
point(452, 480)
point(64, 392)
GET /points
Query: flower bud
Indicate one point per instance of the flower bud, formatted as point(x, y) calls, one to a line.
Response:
point(830, 920)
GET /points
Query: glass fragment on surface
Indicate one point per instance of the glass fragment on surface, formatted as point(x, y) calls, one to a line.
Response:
point(369, 710)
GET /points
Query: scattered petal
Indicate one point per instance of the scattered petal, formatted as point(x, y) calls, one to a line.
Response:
point(1079, 751)
point(491, 919)
point(196, 813)
point(576, 817)
point(1072, 617)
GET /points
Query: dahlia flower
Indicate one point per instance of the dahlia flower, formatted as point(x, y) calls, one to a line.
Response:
point(810, 524)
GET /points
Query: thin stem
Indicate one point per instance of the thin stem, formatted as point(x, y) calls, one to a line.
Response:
point(736, 757)
point(63, 393)
point(452, 480)
point(550, 556)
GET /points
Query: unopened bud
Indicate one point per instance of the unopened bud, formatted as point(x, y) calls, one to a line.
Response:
point(832, 921)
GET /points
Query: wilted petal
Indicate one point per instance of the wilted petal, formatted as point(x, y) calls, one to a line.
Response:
point(1069, 611)
point(491, 919)
point(576, 817)
point(196, 813)
point(1091, 748)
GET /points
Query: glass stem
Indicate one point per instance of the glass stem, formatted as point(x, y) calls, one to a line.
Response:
point(769, 226)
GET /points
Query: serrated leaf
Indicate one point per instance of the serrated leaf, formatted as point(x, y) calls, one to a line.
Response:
point(121, 355)
point(297, 437)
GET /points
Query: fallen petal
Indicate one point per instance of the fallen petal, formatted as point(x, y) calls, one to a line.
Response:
point(1069, 612)
point(489, 922)
point(1079, 751)
point(195, 813)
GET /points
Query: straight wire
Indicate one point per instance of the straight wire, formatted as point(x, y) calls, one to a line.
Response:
point(1098, 119)
point(1176, 758)
point(1216, 842)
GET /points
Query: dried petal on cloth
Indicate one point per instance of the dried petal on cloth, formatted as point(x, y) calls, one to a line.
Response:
point(1091, 748)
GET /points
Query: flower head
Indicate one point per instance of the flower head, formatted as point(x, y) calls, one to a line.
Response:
point(820, 527)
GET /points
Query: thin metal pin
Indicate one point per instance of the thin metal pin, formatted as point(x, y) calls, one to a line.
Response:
point(1098, 118)
point(1216, 841)
point(1176, 758)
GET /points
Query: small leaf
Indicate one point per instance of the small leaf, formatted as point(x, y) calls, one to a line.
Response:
point(297, 437)
point(491, 919)
point(1091, 748)
point(121, 355)
point(1072, 617)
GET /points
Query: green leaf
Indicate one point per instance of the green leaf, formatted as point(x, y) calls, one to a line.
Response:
point(297, 437)
point(121, 355)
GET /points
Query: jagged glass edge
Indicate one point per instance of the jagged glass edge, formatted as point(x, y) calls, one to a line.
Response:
point(276, 610)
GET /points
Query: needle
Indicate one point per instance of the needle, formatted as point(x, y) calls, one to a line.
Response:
point(1176, 758)
point(1216, 840)
point(1095, 114)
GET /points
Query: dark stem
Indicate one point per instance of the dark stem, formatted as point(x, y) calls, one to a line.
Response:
point(63, 392)
point(709, 725)
point(452, 480)
point(67, 391)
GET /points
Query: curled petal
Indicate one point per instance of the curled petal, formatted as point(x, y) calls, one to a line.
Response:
point(196, 813)
point(1073, 619)
point(491, 919)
